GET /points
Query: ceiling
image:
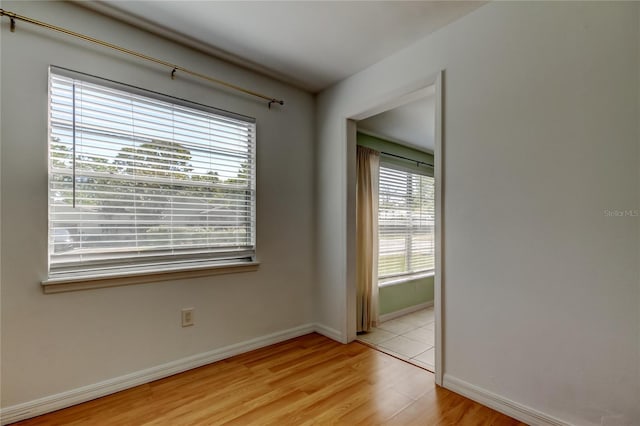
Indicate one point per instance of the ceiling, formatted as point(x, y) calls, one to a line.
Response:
point(412, 124)
point(310, 44)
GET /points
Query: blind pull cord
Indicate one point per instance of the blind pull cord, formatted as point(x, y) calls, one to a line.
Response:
point(73, 131)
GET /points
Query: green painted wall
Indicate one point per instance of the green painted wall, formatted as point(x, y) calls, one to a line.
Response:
point(400, 296)
point(383, 145)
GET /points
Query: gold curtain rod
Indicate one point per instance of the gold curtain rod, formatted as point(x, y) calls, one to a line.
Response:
point(14, 16)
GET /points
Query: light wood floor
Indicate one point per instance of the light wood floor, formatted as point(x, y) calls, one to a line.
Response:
point(308, 380)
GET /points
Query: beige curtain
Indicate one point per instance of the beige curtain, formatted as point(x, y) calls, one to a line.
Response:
point(368, 165)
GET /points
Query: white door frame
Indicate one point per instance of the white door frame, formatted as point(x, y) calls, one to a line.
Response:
point(393, 100)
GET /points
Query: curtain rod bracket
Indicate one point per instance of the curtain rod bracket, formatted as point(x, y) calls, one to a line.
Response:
point(275, 101)
point(173, 73)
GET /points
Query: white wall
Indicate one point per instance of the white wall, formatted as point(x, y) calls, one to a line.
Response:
point(541, 288)
point(413, 124)
point(53, 343)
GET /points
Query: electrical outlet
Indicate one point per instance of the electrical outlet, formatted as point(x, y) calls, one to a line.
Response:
point(187, 317)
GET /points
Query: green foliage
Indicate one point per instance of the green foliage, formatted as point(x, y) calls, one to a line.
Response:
point(61, 154)
point(164, 164)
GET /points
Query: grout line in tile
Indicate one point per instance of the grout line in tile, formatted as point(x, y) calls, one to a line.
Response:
point(378, 346)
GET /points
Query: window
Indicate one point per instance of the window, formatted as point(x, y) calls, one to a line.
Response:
point(406, 223)
point(141, 180)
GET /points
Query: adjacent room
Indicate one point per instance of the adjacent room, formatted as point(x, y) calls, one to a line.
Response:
point(395, 179)
point(373, 212)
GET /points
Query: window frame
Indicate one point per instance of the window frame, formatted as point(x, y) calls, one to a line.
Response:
point(171, 265)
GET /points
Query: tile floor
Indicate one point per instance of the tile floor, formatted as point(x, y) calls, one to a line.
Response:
point(410, 337)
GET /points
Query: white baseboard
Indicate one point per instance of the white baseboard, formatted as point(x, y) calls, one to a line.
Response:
point(405, 311)
point(76, 396)
point(329, 332)
point(86, 393)
point(499, 403)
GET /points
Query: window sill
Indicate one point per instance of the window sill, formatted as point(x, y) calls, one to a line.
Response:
point(405, 278)
point(74, 283)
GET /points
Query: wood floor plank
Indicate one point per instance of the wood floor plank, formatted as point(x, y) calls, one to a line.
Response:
point(309, 380)
point(377, 409)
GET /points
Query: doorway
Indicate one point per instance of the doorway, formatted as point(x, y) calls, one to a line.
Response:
point(406, 132)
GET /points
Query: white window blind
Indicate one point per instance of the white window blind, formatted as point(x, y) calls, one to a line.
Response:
point(406, 221)
point(158, 180)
